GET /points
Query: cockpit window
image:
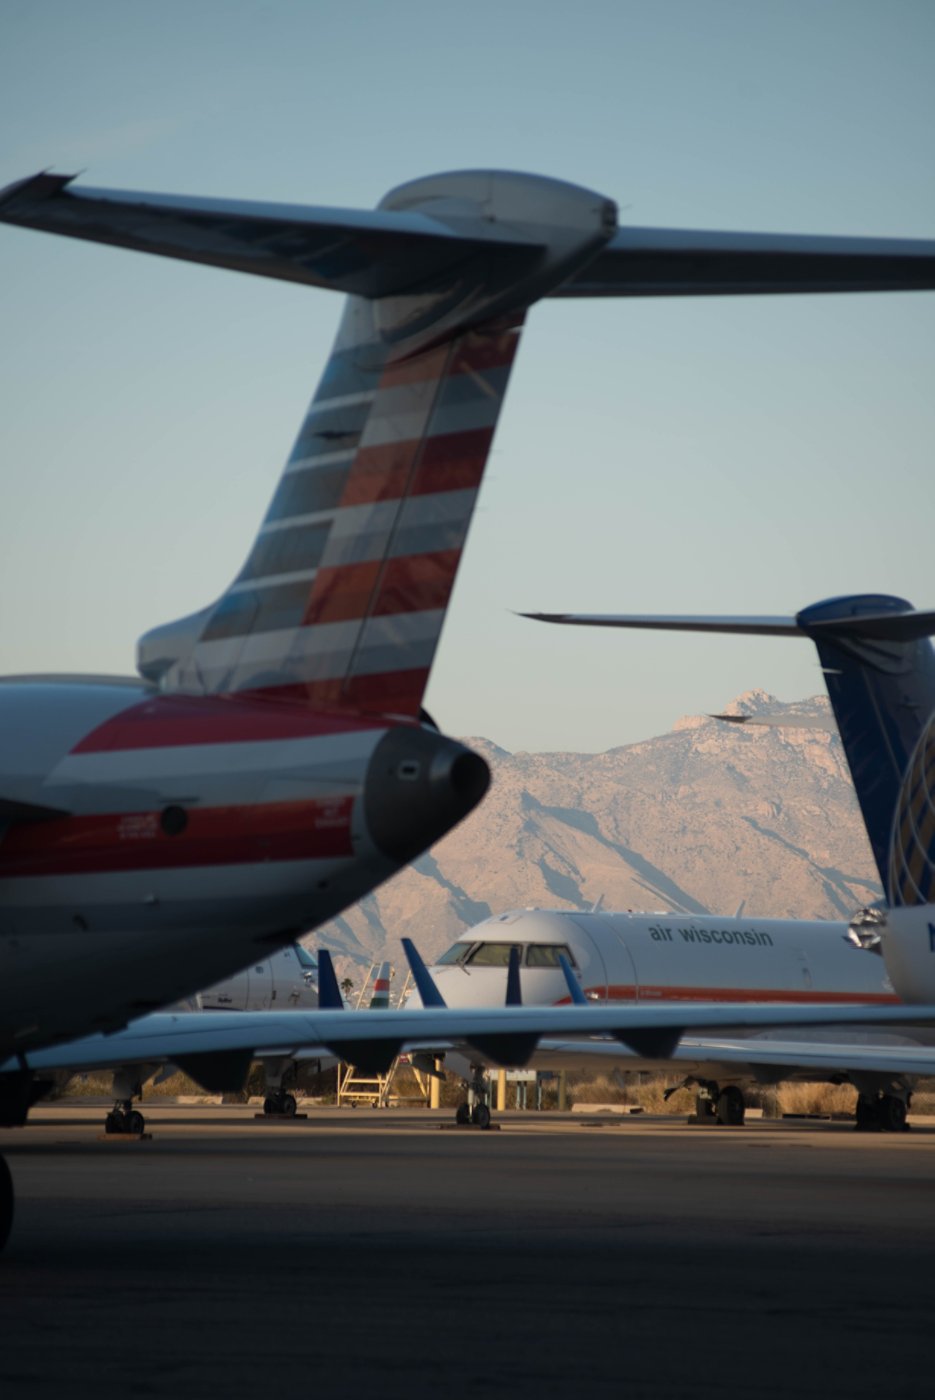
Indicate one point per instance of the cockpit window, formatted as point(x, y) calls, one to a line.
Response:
point(456, 953)
point(498, 954)
point(547, 954)
point(305, 958)
point(491, 955)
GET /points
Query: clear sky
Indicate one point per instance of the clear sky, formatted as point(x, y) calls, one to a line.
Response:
point(717, 455)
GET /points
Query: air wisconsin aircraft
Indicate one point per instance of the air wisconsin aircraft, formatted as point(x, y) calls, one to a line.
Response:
point(879, 668)
point(676, 958)
point(270, 762)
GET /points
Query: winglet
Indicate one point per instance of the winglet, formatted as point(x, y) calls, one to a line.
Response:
point(329, 993)
point(427, 989)
point(572, 983)
point(514, 995)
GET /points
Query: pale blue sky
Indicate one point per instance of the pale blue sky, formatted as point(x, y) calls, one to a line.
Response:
point(652, 456)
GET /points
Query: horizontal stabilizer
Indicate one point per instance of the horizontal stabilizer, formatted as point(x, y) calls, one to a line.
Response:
point(686, 262)
point(823, 722)
point(374, 253)
point(900, 625)
point(750, 626)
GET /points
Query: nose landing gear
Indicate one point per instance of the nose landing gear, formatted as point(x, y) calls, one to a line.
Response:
point(475, 1112)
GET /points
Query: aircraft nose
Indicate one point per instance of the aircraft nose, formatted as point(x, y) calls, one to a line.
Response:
point(419, 785)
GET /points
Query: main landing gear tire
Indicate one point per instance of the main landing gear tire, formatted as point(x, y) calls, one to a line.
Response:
point(462, 1115)
point(481, 1116)
point(6, 1202)
point(704, 1108)
point(891, 1112)
point(125, 1120)
point(885, 1113)
point(731, 1107)
point(279, 1106)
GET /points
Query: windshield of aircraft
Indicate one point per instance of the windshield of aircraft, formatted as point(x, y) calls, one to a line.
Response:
point(306, 961)
point(498, 954)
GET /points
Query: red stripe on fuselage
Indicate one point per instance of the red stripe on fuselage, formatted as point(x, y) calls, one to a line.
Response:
point(166, 721)
point(128, 841)
point(738, 995)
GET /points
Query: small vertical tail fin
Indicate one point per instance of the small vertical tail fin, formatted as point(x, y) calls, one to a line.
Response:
point(380, 998)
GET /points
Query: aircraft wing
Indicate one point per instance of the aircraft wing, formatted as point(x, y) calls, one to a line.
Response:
point(216, 1048)
point(656, 262)
point(769, 1060)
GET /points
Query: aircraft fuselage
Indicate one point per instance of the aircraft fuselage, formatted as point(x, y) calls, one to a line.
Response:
point(190, 830)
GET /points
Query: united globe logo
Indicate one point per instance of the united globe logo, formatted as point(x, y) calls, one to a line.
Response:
point(912, 844)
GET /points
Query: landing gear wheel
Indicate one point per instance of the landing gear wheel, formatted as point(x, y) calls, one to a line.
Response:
point(704, 1108)
point(287, 1106)
point(114, 1122)
point(462, 1115)
point(891, 1114)
point(481, 1116)
point(731, 1107)
point(867, 1118)
point(269, 1106)
point(6, 1202)
point(134, 1122)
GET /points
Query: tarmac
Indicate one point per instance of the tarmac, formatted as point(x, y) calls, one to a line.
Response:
point(374, 1254)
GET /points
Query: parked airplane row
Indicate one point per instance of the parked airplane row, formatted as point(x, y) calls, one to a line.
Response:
point(270, 763)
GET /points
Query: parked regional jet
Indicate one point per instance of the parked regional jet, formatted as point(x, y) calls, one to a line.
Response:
point(879, 668)
point(270, 763)
point(671, 957)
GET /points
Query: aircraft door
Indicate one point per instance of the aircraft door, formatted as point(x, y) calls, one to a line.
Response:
point(623, 982)
point(260, 987)
point(589, 952)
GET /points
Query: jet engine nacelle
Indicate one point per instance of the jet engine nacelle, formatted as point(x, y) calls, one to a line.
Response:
point(909, 951)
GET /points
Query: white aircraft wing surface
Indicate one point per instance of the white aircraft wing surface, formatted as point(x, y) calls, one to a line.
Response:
point(771, 1060)
point(216, 1048)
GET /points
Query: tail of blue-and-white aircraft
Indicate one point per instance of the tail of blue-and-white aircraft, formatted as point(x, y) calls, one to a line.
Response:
point(879, 667)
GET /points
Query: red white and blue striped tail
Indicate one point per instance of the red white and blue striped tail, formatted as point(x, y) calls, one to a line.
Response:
point(342, 598)
point(380, 1001)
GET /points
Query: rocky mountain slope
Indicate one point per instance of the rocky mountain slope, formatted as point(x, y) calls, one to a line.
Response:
point(702, 819)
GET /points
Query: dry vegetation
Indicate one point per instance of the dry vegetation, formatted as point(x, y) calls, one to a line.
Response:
point(643, 1091)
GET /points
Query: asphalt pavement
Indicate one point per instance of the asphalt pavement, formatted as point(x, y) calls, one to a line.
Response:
point(382, 1254)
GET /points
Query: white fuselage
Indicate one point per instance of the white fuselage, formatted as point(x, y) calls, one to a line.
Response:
point(283, 982)
point(653, 957)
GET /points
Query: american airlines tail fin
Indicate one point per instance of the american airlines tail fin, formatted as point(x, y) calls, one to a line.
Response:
point(343, 594)
point(880, 672)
